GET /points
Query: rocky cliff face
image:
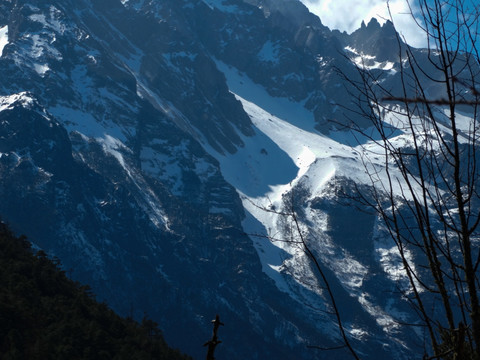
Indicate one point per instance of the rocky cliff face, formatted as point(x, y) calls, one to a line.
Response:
point(136, 135)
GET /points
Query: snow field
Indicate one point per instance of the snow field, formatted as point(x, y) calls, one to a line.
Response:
point(286, 152)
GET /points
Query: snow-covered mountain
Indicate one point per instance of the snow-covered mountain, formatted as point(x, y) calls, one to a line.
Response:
point(143, 143)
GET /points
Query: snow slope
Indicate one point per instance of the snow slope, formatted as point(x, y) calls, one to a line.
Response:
point(287, 153)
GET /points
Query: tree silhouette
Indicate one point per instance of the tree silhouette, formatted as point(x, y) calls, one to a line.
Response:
point(426, 190)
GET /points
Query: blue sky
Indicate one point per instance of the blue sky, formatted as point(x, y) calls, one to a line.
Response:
point(347, 15)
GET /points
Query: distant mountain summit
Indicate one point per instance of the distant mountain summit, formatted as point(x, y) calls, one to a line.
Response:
point(381, 41)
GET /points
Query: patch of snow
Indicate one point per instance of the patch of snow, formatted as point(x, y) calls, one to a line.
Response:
point(92, 59)
point(293, 112)
point(35, 51)
point(350, 271)
point(358, 333)
point(390, 260)
point(41, 69)
point(368, 62)
point(3, 38)
point(146, 196)
point(302, 146)
point(272, 256)
point(53, 22)
point(269, 52)
point(40, 18)
point(321, 60)
point(466, 124)
point(112, 145)
point(258, 167)
point(383, 319)
point(7, 101)
point(41, 47)
point(78, 120)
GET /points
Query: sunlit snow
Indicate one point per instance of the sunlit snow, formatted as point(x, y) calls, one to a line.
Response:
point(3, 38)
point(150, 203)
point(286, 153)
point(52, 22)
point(368, 62)
point(293, 112)
point(7, 101)
point(41, 69)
point(42, 47)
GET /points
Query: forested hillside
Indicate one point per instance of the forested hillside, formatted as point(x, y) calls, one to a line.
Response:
point(45, 315)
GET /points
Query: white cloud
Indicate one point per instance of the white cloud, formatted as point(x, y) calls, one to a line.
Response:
point(347, 15)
